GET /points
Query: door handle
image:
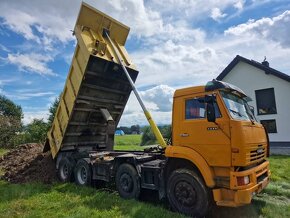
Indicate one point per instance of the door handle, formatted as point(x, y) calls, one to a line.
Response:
point(184, 135)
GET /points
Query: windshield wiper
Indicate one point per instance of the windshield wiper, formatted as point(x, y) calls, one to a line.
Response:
point(241, 115)
point(251, 117)
point(236, 112)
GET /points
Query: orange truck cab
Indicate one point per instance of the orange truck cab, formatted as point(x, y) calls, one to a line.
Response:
point(214, 129)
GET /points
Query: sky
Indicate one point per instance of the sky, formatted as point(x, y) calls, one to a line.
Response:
point(173, 43)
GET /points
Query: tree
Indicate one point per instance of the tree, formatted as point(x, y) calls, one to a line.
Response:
point(36, 131)
point(9, 108)
point(10, 127)
point(10, 121)
point(52, 110)
point(135, 129)
point(148, 137)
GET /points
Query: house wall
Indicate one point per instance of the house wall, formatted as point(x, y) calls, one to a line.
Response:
point(249, 79)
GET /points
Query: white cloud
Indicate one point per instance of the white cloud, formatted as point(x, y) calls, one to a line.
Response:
point(239, 5)
point(4, 48)
point(30, 116)
point(33, 62)
point(27, 94)
point(142, 21)
point(158, 101)
point(216, 14)
point(161, 96)
point(275, 29)
point(193, 10)
point(39, 21)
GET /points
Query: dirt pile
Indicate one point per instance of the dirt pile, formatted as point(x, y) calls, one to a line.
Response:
point(27, 163)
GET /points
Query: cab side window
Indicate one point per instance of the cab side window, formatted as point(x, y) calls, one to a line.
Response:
point(195, 109)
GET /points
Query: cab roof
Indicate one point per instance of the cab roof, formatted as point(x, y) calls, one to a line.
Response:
point(210, 86)
point(189, 90)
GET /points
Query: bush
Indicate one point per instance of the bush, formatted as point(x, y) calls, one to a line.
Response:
point(10, 121)
point(35, 132)
point(10, 127)
point(148, 137)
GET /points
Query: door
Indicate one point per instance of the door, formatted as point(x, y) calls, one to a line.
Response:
point(211, 140)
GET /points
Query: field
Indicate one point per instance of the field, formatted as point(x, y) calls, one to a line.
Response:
point(69, 200)
point(128, 142)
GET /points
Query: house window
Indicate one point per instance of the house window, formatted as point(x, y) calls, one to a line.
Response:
point(270, 125)
point(195, 109)
point(266, 103)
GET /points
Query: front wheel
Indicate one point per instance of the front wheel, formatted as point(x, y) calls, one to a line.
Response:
point(187, 193)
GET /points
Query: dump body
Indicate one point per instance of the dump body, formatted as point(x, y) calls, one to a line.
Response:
point(96, 90)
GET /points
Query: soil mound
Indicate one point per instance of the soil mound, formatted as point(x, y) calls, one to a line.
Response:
point(27, 163)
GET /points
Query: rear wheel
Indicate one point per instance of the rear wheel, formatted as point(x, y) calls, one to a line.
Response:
point(65, 170)
point(127, 182)
point(187, 193)
point(82, 173)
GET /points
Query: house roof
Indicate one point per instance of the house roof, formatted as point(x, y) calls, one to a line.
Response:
point(268, 70)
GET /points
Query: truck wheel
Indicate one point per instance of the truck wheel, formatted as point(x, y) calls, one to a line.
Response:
point(127, 182)
point(187, 193)
point(65, 170)
point(82, 173)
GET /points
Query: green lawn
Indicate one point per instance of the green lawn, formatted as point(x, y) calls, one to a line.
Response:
point(129, 143)
point(68, 200)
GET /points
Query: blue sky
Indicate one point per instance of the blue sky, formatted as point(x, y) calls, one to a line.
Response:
point(174, 43)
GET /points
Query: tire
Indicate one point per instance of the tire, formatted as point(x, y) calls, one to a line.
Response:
point(65, 170)
point(128, 181)
point(187, 193)
point(82, 173)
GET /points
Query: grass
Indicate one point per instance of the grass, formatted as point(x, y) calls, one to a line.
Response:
point(68, 200)
point(3, 151)
point(129, 143)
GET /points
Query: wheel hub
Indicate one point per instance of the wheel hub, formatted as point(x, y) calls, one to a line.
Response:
point(83, 174)
point(126, 182)
point(65, 170)
point(185, 194)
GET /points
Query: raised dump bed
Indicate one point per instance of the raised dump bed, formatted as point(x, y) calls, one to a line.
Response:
point(96, 90)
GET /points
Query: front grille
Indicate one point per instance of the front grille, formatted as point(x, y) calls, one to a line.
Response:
point(256, 153)
point(262, 177)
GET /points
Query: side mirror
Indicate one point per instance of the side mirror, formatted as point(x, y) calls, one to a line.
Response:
point(210, 112)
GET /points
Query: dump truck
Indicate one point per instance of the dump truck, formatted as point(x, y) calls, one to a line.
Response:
point(217, 153)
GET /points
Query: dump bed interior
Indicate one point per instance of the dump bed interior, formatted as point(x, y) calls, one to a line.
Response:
point(96, 90)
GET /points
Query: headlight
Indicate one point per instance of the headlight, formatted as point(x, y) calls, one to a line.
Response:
point(243, 180)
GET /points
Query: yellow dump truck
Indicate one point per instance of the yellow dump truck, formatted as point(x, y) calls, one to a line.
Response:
point(218, 150)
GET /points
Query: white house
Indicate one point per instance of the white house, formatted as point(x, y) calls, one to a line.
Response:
point(270, 91)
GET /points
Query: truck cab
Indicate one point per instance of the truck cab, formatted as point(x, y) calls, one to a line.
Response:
point(214, 128)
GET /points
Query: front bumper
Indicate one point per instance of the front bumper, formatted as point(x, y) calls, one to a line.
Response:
point(241, 195)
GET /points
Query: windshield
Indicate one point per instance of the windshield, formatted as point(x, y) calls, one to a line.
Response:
point(237, 106)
